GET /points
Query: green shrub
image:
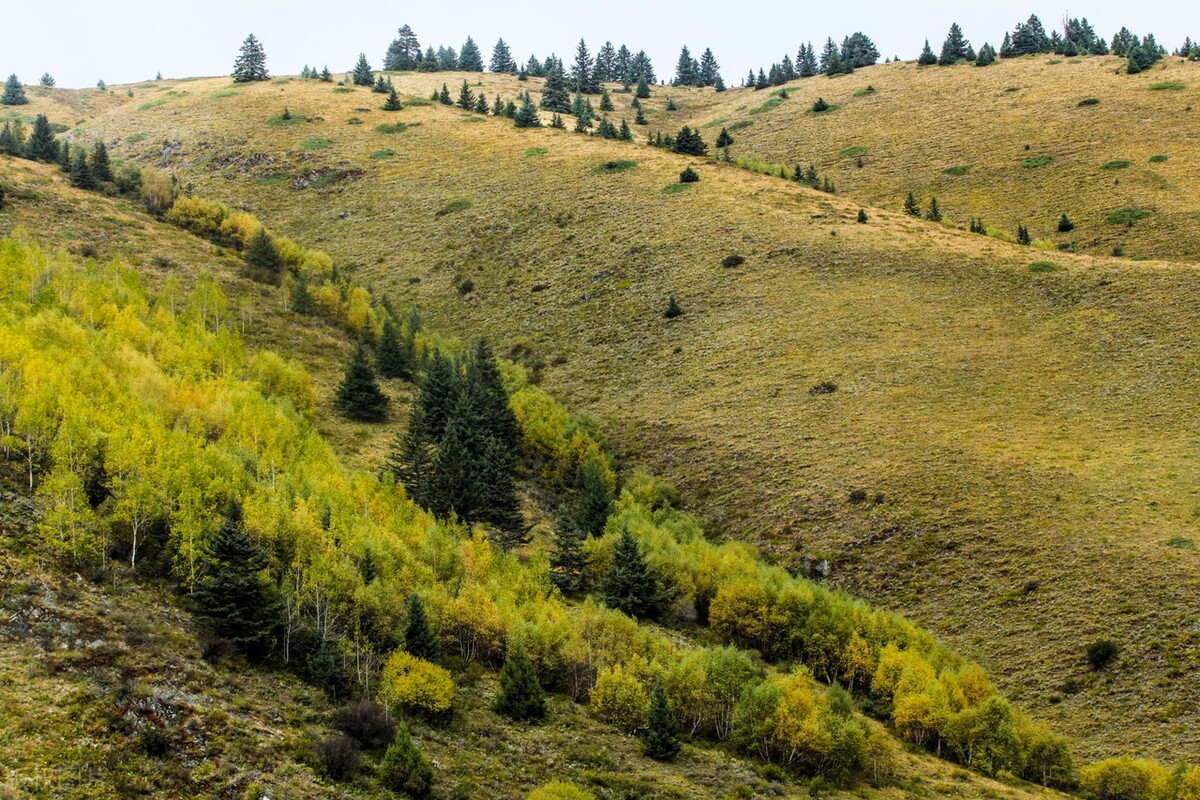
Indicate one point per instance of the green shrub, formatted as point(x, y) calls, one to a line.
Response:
point(1122, 779)
point(1101, 653)
point(560, 790)
point(404, 767)
point(958, 170)
point(689, 175)
point(1167, 86)
point(1159, 159)
point(1036, 161)
point(1044, 266)
point(1127, 216)
point(865, 91)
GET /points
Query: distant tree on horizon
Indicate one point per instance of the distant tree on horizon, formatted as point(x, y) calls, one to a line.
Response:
point(251, 63)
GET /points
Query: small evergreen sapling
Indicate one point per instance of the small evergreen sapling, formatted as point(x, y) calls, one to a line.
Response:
point(393, 101)
point(673, 309)
point(359, 396)
point(659, 738)
point(934, 214)
point(1023, 236)
point(688, 175)
point(1065, 225)
point(862, 216)
point(418, 635)
point(404, 767)
point(527, 116)
point(521, 696)
point(910, 205)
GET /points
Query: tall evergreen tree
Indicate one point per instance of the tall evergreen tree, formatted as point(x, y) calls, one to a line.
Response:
point(910, 205)
point(710, 70)
point(404, 52)
point(642, 67)
point(418, 635)
point(14, 92)
point(685, 68)
point(42, 146)
point(469, 58)
point(659, 737)
point(555, 96)
point(9, 145)
point(101, 168)
point(234, 597)
point(358, 395)
point(527, 115)
point(606, 64)
point(831, 58)
point(606, 103)
point(390, 359)
point(623, 66)
point(262, 256)
point(630, 585)
point(927, 57)
point(594, 500)
point(859, 51)
point(81, 173)
point(362, 74)
point(466, 98)
point(567, 560)
point(643, 89)
point(806, 61)
point(583, 78)
point(502, 60)
point(955, 48)
point(521, 696)
point(688, 142)
point(251, 63)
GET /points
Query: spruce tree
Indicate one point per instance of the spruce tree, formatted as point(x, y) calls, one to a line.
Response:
point(583, 79)
point(326, 75)
point(606, 64)
point(593, 500)
point(444, 96)
point(47, 80)
point(251, 63)
point(685, 68)
point(521, 696)
point(710, 70)
point(502, 60)
point(302, 301)
point(498, 107)
point(362, 74)
point(262, 256)
point(404, 52)
point(437, 395)
point(380, 86)
point(404, 767)
point(567, 559)
point(640, 118)
point(659, 738)
point(81, 174)
point(466, 98)
point(689, 143)
point(724, 139)
point(14, 92)
point(64, 157)
point(956, 47)
point(606, 103)
point(625, 134)
point(555, 96)
point(630, 585)
point(233, 597)
point(527, 116)
point(986, 57)
point(101, 168)
point(1065, 225)
point(418, 635)
point(911, 207)
point(393, 101)
point(469, 58)
point(1023, 236)
point(862, 216)
point(806, 61)
point(927, 57)
point(42, 146)
point(673, 309)
point(934, 214)
point(481, 103)
point(390, 358)
point(643, 89)
point(359, 396)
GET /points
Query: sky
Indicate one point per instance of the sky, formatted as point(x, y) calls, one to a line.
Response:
point(123, 41)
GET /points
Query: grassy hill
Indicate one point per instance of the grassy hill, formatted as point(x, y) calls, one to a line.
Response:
point(1029, 432)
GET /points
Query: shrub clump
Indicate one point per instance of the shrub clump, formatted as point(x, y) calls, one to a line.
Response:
point(733, 261)
point(689, 175)
point(1101, 653)
point(404, 767)
point(340, 757)
point(417, 686)
point(367, 723)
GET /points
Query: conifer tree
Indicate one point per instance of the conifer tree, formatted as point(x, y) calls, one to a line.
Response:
point(659, 737)
point(555, 96)
point(262, 255)
point(390, 359)
point(418, 635)
point(326, 75)
point(806, 61)
point(481, 103)
point(14, 92)
point(567, 560)
point(302, 301)
point(955, 48)
point(380, 86)
point(521, 696)
point(724, 139)
point(469, 58)
point(623, 66)
point(362, 75)
point(606, 103)
point(9, 145)
point(625, 134)
point(47, 80)
point(1065, 225)
point(986, 57)
point(502, 60)
point(934, 214)
point(64, 157)
point(673, 309)
point(412, 458)
point(251, 63)
point(630, 585)
point(583, 79)
point(862, 216)
point(710, 70)
point(556, 121)
point(685, 68)
point(527, 116)
point(42, 146)
point(101, 168)
point(234, 598)
point(444, 96)
point(593, 501)
point(404, 767)
point(606, 64)
point(910, 206)
point(498, 107)
point(359, 396)
point(688, 142)
point(466, 98)
point(393, 101)
point(640, 117)
point(81, 174)
point(927, 57)
point(404, 52)
point(643, 89)
point(1023, 236)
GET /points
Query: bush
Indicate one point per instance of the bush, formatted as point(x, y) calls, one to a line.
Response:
point(820, 105)
point(404, 767)
point(1122, 779)
point(417, 686)
point(1036, 161)
point(1088, 101)
point(689, 175)
point(366, 722)
point(673, 309)
point(733, 261)
point(1101, 653)
point(340, 757)
point(620, 699)
point(613, 167)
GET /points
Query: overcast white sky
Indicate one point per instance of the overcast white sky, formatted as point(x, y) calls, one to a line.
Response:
point(129, 40)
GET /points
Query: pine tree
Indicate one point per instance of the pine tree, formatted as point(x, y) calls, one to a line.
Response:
point(927, 57)
point(862, 216)
point(101, 168)
point(955, 48)
point(986, 57)
point(521, 696)
point(466, 98)
point(673, 309)
point(1065, 225)
point(583, 79)
point(555, 96)
point(469, 58)
point(659, 737)
point(502, 60)
point(567, 560)
point(643, 89)
point(81, 174)
point(606, 103)
point(359, 396)
point(251, 63)
point(710, 70)
point(625, 134)
point(47, 80)
point(498, 107)
point(481, 103)
point(820, 106)
point(390, 360)
point(934, 214)
point(858, 51)
point(1023, 236)
point(444, 97)
point(685, 69)
point(393, 101)
point(412, 457)
point(302, 301)
point(14, 92)
point(362, 74)
point(910, 206)
point(42, 146)
point(64, 157)
point(262, 255)
point(689, 143)
point(724, 139)
point(806, 61)
point(404, 767)
point(606, 64)
point(640, 117)
point(593, 501)
point(623, 67)
point(404, 52)
point(527, 116)
point(630, 585)
point(556, 121)
point(234, 598)
point(418, 634)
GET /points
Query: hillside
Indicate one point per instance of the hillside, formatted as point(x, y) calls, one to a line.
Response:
point(97, 663)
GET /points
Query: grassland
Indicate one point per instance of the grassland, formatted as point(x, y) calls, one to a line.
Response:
point(1031, 433)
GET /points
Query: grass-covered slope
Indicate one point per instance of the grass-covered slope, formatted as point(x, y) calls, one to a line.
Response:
point(1031, 432)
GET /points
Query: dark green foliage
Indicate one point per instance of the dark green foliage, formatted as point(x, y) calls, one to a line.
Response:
point(469, 58)
point(567, 560)
point(466, 98)
point(858, 51)
point(671, 104)
point(47, 80)
point(643, 89)
point(724, 139)
point(64, 155)
point(154, 741)
point(362, 75)
point(806, 61)
point(630, 585)
point(593, 500)
point(527, 116)
point(606, 103)
point(556, 121)
point(659, 738)
point(689, 143)
point(326, 75)
point(927, 57)
point(302, 301)
point(404, 767)
point(262, 255)
point(42, 146)
point(820, 105)
point(934, 214)
point(521, 696)
point(640, 118)
point(14, 92)
point(687, 69)
point(392, 359)
point(418, 635)
point(673, 309)
point(986, 57)
point(1027, 38)
point(101, 168)
point(3, 191)
point(977, 226)
point(583, 73)
point(710, 70)
point(606, 130)
point(251, 63)
point(956, 47)
point(911, 207)
point(81, 174)
point(393, 101)
point(689, 175)
point(404, 52)
point(381, 85)
point(444, 96)
point(481, 104)
point(555, 96)
point(234, 598)
point(625, 134)
point(9, 146)
point(1065, 225)
point(502, 60)
point(358, 395)
point(1023, 236)
point(862, 216)
point(1101, 653)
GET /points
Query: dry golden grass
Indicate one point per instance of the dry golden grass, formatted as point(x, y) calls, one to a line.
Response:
point(1032, 434)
